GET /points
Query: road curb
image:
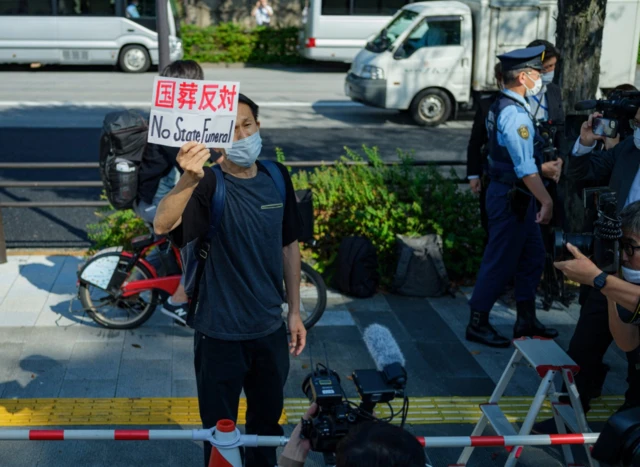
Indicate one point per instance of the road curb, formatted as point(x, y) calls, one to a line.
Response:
point(46, 252)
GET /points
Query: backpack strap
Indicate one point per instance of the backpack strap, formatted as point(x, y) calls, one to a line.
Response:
point(276, 176)
point(217, 202)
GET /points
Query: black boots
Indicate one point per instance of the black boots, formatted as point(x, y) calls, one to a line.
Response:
point(479, 330)
point(528, 325)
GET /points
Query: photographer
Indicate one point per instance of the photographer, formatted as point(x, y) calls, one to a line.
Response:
point(591, 337)
point(368, 444)
point(626, 335)
point(240, 339)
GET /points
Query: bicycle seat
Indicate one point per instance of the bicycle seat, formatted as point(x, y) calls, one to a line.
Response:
point(142, 241)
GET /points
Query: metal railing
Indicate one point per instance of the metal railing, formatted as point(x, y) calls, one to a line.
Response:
point(98, 184)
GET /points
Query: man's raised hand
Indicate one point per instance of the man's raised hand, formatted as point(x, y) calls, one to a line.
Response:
point(191, 159)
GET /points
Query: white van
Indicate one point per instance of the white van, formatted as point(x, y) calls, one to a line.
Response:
point(434, 57)
point(336, 30)
point(79, 32)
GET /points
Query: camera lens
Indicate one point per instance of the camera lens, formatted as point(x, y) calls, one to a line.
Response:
point(582, 241)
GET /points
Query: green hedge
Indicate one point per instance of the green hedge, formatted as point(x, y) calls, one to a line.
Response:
point(376, 201)
point(231, 43)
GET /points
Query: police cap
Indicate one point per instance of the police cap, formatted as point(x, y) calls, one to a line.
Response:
point(531, 57)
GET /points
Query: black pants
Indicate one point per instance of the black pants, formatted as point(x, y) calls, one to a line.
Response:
point(224, 368)
point(589, 343)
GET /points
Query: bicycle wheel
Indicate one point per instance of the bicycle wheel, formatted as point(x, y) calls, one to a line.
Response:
point(313, 296)
point(113, 313)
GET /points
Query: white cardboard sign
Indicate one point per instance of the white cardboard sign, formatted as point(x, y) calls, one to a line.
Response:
point(191, 110)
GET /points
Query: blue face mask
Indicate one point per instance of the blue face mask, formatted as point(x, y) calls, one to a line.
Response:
point(547, 78)
point(244, 152)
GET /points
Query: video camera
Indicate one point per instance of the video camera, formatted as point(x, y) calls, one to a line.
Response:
point(603, 243)
point(617, 110)
point(619, 441)
point(336, 414)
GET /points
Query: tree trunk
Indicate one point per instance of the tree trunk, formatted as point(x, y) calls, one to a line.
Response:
point(579, 37)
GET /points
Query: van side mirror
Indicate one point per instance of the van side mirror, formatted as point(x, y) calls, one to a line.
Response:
point(400, 53)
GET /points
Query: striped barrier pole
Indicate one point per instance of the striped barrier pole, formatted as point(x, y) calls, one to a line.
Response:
point(276, 441)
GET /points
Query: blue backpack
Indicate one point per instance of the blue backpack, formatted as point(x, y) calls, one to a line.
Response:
point(195, 253)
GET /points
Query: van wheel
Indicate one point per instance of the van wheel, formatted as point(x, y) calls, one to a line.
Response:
point(134, 59)
point(431, 107)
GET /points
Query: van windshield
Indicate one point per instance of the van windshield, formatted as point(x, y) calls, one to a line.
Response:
point(391, 32)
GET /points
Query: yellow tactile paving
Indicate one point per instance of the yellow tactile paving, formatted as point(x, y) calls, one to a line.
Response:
point(184, 411)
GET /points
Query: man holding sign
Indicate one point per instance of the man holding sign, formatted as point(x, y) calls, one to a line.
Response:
point(240, 339)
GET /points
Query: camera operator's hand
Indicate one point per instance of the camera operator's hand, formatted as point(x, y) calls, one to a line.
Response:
point(552, 170)
point(545, 214)
point(581, 269)
point(191, 158)
point(587, 136)
point(476, 185)
point(610, 143)
point(297, 449)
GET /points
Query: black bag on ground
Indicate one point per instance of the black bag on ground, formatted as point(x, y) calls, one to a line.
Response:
point(357, 272)
point(122, 144)
point(420, 271)
point(304, 200)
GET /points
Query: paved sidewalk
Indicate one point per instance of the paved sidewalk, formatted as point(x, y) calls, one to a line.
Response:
point(50, 349)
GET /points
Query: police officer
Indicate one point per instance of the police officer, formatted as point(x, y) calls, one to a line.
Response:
point(515, 248)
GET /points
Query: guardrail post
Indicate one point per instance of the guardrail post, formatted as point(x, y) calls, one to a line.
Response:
point(3, 244)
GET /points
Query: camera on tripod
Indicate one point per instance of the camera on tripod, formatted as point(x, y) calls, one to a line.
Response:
point(603, 243)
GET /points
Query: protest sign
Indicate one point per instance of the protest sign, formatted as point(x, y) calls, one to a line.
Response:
point(190, 110)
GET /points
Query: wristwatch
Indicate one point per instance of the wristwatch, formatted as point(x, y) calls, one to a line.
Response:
point(600, 281)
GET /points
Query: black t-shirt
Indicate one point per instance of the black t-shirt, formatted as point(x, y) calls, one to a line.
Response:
point(241, 291)
point(157, 162)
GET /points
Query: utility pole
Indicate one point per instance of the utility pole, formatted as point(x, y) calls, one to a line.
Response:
point(162, 26)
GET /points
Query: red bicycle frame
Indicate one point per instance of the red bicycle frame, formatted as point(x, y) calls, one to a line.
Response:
point(168, 284)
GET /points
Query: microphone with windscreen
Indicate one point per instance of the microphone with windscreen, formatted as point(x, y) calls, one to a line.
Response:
point(586, 105)
point(386, 354)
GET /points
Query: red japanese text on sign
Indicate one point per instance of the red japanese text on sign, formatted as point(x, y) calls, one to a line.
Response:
point(165, 94)
point(187, 95)
point(209, 92)
point(227, 96)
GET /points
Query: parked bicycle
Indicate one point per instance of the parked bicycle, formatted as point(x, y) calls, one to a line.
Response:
point(121, 290)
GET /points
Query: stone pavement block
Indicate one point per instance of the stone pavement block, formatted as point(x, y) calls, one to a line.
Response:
point(144, 378)
point(17, 318)
point(148, 344)
point(63, 311)
point(100, 334)
point(376, 303)
point(182, 358)
point(52, 342)
point(185, 453)
point(35, 378)
point(184, 388)
point(98, 388)
point(94, 361)
point(14, 334)
point(21, 453)
point(10, 360)
point(68, 276)
point(334, 317)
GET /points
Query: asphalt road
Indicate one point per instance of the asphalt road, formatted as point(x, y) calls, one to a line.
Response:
point(56, 116)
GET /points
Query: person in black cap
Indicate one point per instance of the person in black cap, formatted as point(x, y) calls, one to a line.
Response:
point(515, 248)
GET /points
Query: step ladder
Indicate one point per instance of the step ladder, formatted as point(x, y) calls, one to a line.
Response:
point(548, 359)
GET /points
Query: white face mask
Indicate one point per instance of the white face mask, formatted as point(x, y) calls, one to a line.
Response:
point(631, 275)
point(636, 137)
point(537, 86)
point(547, 78)
point(244, 152)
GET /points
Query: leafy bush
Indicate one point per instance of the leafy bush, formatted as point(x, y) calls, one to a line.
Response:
point(115, 228)
point(380, 201)
point(374, 200)
point(231, 43)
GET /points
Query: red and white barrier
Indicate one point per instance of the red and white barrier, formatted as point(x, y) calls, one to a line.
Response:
point(275, 441)
point(506, 441)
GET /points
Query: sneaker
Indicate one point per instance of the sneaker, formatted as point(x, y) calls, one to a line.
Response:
point(177, 312)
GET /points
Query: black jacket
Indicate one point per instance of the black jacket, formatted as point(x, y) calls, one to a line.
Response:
point(618, 165)
point(157, 162)
point(479, 137)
